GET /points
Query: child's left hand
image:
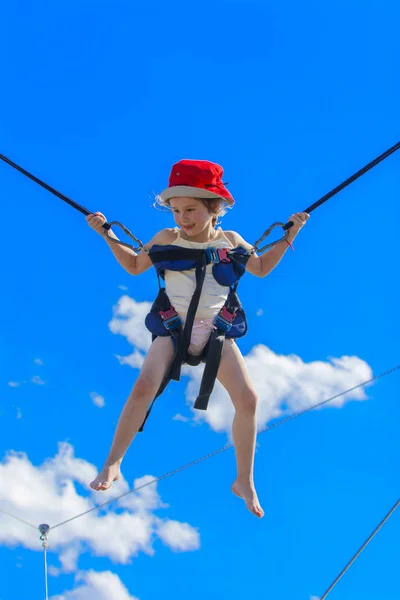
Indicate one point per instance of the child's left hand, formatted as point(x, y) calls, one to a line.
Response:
point(299, 220)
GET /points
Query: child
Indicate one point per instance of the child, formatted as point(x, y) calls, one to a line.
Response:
point(197, 197)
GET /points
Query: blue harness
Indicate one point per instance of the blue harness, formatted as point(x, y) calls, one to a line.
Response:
point(229, 264)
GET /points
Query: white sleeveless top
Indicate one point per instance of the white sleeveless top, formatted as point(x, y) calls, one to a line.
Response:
point(180, 285)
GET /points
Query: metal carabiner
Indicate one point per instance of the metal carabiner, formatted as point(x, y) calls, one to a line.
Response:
point(128, 233)
point(267, 233)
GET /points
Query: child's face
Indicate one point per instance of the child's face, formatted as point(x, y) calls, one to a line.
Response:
point(191, 215)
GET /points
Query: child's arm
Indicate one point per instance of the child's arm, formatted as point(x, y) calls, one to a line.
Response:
point(263, 265)
point(133, 263)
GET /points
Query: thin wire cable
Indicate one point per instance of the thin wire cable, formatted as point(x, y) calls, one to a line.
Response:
point(17, 519)
point(227, 447)
point(302, 412)
point(365, 544)
point(46, 578)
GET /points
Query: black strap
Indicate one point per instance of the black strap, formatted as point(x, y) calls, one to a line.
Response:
point(182, 338)
point(183, 253)
point(214, 352)
point(211, 369)
point(187, 330)
point(211, 353)
point(177, 253)
point(164, 383)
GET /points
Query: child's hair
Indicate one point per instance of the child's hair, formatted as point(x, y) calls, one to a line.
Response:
point(216, 207)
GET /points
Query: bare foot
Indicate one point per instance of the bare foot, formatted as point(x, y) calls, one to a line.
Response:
point(249, 495)
point(106, 477)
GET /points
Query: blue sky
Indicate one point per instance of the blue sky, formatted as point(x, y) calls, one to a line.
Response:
point(100, 100)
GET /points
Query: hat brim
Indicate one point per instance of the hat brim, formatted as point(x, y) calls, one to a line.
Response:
point(192, 192)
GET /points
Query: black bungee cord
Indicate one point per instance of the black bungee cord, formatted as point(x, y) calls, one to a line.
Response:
point(325, 198)
point(285, 227)
point(82, 209)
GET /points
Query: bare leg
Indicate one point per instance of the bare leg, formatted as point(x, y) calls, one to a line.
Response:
point(234, 377)
point(156, 363)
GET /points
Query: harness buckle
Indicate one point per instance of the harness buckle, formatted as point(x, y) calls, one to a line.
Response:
point(217, 255)
point(223, 255)
point(212, 255)
point(171, 319)
point(224, 319)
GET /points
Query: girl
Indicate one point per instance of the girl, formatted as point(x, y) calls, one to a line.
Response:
point(196, 196)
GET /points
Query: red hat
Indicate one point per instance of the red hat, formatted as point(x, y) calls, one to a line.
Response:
point(197, 179)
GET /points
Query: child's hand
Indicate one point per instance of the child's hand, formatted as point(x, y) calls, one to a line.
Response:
point(96, 222)
point(299, 220)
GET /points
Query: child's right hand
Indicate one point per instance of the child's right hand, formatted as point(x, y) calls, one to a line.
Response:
point(96, 222)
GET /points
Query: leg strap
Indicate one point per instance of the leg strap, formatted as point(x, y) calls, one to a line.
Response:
point(211, 369)
point(163, 385)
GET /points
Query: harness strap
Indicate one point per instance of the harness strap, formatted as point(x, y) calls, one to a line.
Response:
point(213, 255)
point(177, 253)
point(211, 354)
point(164, 383)
point(182, 338)
point(211, 369)
point(187, 330)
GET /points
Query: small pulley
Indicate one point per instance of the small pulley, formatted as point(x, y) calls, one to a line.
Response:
point(44, 531)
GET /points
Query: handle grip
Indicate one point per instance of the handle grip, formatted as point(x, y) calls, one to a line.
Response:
point(288, 225)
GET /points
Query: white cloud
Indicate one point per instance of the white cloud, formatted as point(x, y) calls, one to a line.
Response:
point(102, 586)
point(179, 417)
point(134, 360)
point(19, 413)
point(148, 499)
point(68, 559)
point(284, 383)
point(124, 288)
point(14, 384)
point(128, 320)
point(314, 598)
point(97, 399)
point(48, 494)
point(178, 536)
point(38, 361)
point(37, 380)
point(260, 312)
